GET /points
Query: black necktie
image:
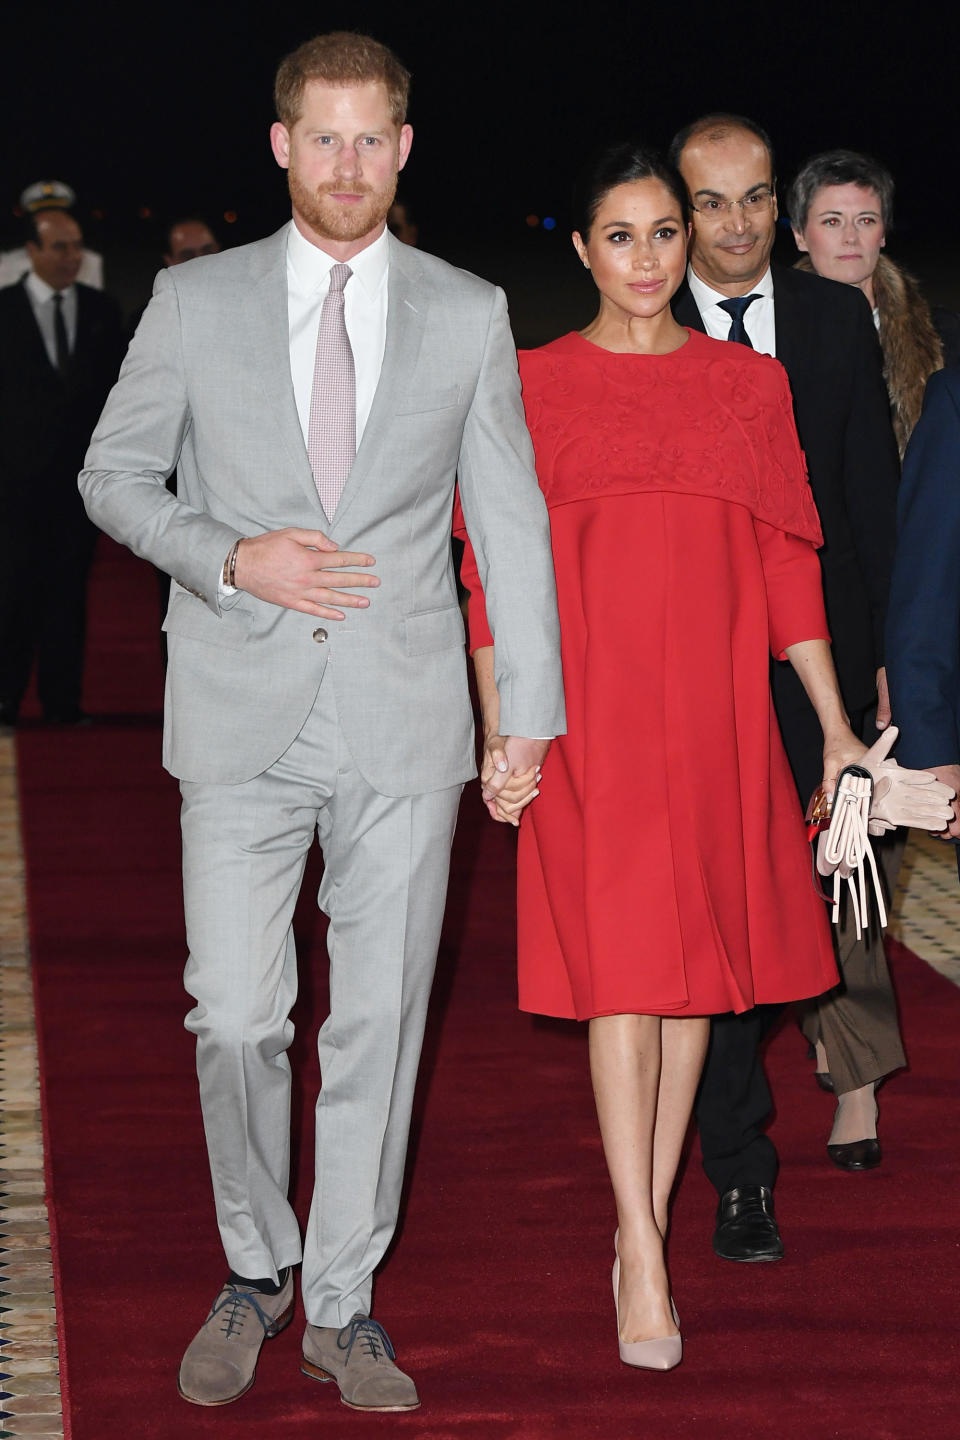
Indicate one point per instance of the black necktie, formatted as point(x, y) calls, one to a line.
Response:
point(736, 308)
point(60, 334)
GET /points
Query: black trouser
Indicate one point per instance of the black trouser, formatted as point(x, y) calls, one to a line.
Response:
point(733, 1104)
point(43, 606)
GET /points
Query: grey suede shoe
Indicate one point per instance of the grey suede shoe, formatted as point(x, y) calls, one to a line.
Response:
point(221, 1360)
point(360, 1359)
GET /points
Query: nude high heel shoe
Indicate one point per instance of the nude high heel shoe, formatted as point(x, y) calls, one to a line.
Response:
point(661, 1354)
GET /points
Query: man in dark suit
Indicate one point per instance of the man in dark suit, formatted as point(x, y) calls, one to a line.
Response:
point(60, 350)
point(823, 334)
point(923, 631)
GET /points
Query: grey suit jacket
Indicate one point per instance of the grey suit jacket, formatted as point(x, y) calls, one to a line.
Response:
point(206, 388)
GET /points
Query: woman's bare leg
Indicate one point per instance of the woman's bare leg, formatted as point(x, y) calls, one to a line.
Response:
point(645, 1072)
point(683, 1049)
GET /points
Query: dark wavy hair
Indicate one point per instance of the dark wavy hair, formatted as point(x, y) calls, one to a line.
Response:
point(621, 164)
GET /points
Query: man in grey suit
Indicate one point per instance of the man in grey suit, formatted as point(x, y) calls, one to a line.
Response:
point(319, 392)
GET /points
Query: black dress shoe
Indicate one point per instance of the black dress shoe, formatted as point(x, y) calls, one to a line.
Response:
point(857, 1155)
point(746, 1226)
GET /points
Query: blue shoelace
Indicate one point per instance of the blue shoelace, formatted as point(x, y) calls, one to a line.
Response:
point(371, 1335)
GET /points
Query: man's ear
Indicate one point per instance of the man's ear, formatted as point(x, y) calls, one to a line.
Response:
point(406, 141)
point(280, 144)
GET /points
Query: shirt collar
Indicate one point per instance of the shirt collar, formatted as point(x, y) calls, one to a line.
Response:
point(311, 266)
point(40, 291)
point(705, 295)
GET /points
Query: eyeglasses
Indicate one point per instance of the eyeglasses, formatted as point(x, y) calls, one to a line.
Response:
point(753, 203)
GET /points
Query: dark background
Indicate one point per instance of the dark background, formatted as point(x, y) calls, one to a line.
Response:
point(166, 110)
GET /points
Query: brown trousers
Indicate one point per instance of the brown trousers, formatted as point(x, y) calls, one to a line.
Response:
point(857, 1021)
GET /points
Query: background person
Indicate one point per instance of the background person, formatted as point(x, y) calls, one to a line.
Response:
point(49, 195)
point(400, 222)
point(823, 336)
point(60, 348)
point(923, 631)
point(841, 211)
point(665, 856)
point(188, 238)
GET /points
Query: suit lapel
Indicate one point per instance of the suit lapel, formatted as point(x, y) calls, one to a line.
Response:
point(267, 318)
point(791, 321)
point(685, 309)
point(407, 307)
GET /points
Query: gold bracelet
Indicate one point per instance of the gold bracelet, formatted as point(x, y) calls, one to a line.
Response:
point(230, 567)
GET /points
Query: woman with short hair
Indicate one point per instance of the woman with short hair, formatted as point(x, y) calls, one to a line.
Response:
point(841, 210)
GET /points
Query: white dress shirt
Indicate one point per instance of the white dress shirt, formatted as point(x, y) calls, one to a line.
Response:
point(40, 295)
point(364, 311)
point(758, 318)
point(365, 316)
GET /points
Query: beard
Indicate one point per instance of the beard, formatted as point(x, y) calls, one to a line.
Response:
point(333, 221)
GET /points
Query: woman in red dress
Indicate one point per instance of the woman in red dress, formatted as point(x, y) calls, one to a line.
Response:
point(665, 859)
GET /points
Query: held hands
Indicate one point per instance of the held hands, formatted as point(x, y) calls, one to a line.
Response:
point(299, 569)
point(510, 774)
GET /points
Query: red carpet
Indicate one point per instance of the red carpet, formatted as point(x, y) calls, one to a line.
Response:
point(498, 1294)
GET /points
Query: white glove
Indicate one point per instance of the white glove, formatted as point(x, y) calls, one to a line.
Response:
point(901, 796)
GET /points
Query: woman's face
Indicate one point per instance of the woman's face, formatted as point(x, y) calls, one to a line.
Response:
point(844, 233)
point(637, 248)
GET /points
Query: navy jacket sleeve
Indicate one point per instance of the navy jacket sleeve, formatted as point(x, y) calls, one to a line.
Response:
point(923, 627)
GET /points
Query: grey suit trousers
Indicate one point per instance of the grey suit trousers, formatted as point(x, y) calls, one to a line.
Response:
point(384, 888)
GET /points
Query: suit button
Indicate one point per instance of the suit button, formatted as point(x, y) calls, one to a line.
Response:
point(320, 636)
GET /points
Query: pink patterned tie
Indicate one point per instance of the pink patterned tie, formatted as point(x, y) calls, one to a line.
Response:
point(332, 435)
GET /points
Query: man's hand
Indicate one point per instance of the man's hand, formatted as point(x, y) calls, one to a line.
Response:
point(299, 569)
point(949, 775)
point(883, 700)
point(510, 774)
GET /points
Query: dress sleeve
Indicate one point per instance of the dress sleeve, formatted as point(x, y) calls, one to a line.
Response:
point(478, 625)
point(791, 573)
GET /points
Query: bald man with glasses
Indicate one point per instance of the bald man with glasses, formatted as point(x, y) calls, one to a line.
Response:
point(823, 334)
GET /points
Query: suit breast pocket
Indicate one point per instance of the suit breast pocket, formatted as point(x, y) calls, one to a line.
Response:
point(424, 402)
point(434, 630)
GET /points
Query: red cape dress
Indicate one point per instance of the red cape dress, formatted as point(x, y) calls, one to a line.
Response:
point(664, 868)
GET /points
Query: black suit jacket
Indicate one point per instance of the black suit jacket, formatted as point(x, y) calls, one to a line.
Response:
point(46, 419)
point(923, 632)
point(827, 343)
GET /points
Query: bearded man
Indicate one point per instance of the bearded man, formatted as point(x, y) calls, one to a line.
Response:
point(319, 392)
